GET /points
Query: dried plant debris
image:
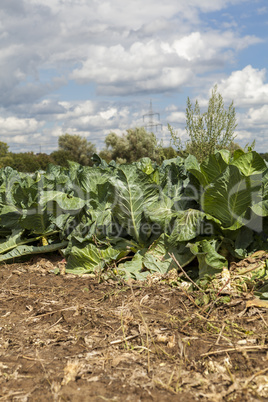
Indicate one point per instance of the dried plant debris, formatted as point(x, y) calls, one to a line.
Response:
point(75, 338)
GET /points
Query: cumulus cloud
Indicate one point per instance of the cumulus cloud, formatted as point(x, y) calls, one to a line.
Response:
point(157, 66)
point(136, 14)
point(87, 116)
point(18, 132)
point(101, 43)
point(144, 48)
point(142, 67)
point(176, 117)
point(246, 87)
point(257, 117)
point(11, 126)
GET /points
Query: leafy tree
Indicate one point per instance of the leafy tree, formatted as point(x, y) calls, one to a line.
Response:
point(130, 147)
point(43, 160)
point(6, 160)
point(61, 157)
point(166, 153)
point(79, 148)
point(209, 131)
point(24, 162)
point(3, 149)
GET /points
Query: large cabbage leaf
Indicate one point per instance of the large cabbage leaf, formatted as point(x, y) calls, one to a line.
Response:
point(210, 261)
point(89, 258)
point(23, 250)
point(229, 197)
point(134, 192)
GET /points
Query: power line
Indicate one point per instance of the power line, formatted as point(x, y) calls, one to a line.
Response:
point(152, 123)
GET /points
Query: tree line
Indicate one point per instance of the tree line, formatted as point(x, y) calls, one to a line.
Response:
point(207, 132)
point(132, 146)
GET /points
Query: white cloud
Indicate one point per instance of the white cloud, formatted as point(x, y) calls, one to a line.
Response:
point(190, 47)
point(13, 126)
point(207, 45)
point(134, 50)
point(21, 133)
point(176, 117)
point(92, 120)
point(243, 135)
point(114, 12)
point(257, 117)
point(142, 67)
point(171, 108)
point(156, 66)
point(114, 46)
point(246, 87)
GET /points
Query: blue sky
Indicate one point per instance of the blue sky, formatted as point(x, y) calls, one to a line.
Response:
point(90, 67)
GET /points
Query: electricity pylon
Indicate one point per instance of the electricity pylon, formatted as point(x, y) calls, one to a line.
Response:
point(152, 123)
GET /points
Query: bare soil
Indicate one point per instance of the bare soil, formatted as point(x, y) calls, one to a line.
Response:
point(70, 338)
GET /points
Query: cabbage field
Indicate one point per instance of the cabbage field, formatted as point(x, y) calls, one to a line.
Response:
point(162, 288)
point(136, 219)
